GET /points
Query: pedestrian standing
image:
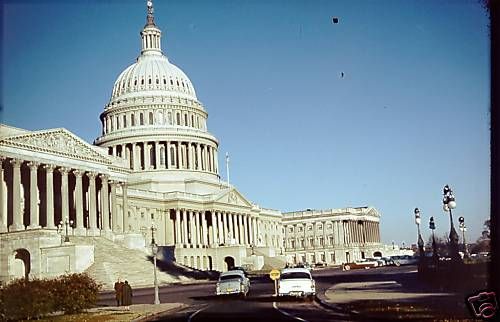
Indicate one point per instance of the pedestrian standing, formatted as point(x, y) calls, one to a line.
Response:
point(127, 295)
point(119, 292)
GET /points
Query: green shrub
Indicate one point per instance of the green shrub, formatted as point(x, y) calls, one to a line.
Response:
point(21, 299)
point(30, 299)
point(75, 292)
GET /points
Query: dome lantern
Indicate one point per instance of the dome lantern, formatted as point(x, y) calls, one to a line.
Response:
point(151, 35)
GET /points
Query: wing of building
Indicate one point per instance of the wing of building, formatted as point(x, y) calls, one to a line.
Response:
point(71, 206)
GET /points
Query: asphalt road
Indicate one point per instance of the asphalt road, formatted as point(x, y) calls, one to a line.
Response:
point(260, 305)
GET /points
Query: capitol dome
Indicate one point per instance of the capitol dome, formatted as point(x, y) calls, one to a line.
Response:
point(152, 74)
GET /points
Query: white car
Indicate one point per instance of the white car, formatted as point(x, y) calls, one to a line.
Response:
point(296, 282)
point(233, 282)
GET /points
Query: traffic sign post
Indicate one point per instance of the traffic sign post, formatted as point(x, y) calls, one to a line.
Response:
point(274, 275)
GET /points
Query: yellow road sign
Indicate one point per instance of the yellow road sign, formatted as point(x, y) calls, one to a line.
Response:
point(274, 274)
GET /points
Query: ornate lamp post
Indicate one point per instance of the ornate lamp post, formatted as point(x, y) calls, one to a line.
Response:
point(449, 204)
point(154, 250)
point(463, 229)
point(66, 223)
point(420, 240)
point(432, 226)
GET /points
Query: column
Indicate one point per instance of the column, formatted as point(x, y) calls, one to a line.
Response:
point(198, 155)
point(209, 164)
point(250, 233)
point(245, 227)
point(92, 227)
point(80, 229)
point(254, 226)
point(257, 226)
point(125, 208)
point(17, 217)
point(226, 230)
point(3, 198)
point(220, 234)
point(216, 157)
point(157, 155)
point(133, 156)
point(64, 193)
point(240, 229)
point(178, 239)
point(189, 156)
point(105, 201)
point(124, 151)
point(145, 151)
point(214, 228)
point(197, 226)
point(192, 230)
point(179, 152)
point(231, 229)
point(114, 209)
point(204, 229)
point(184, 227)
point(34, 221)
point(168, 156)
point(49, 186)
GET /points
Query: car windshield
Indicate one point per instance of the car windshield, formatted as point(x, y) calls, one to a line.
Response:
point(229, 277)
point(292, 275)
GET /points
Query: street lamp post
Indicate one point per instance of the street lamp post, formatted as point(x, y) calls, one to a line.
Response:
point(432, 226)
point(66, 223)
point(154, 250)
point(449, 204)
point(463, 228)
point(420, 240)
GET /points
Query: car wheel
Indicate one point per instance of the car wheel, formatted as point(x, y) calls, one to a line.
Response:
point(347, 267)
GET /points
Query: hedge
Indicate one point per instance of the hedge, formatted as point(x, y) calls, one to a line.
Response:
point(31, 299)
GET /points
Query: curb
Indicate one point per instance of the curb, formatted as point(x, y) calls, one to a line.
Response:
point(148, 316)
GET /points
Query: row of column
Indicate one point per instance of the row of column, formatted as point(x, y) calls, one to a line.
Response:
point(361, 232)
point(100, 207)
point(168, 155)
point(343, 232)
point(192, 229)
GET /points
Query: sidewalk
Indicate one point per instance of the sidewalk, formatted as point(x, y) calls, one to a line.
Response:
point(391, 300)
point(136, 312)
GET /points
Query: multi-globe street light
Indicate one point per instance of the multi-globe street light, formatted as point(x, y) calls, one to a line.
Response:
point(463, 229)
point(449, 204)
point(420, 240)
point(66, 223)
point(432, 226)
point(154, 250)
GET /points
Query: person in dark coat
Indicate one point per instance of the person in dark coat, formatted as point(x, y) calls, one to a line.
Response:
point(119, 292)
point(127, 294)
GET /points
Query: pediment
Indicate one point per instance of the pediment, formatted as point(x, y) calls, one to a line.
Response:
point(233, 197)
point(56, 141)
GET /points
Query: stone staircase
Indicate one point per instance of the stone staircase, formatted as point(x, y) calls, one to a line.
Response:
point(275, 262)
point(113, 261)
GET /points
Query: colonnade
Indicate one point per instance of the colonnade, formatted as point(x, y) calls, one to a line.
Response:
point(41, 195)
point(159, 155)
point(193, 228)
point(331, 233)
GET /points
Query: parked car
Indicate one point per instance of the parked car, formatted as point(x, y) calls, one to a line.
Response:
point(380, 262)
point(233, 282)
point(359, 264)
point(388, 261)
point(405, 260)
point(296, 282)
point(304, 265)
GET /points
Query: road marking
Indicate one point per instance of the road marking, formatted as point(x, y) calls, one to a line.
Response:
point(194, 314)
point(288, 314)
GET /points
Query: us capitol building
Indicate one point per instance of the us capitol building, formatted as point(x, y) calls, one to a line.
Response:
point(70, 206)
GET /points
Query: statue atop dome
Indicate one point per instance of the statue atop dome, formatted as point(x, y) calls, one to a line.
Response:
point(150, 17)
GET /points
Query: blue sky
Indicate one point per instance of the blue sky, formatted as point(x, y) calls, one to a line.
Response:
point(410, 115)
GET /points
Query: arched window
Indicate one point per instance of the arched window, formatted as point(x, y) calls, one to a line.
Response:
point(135, 82)
point(142, 81)
point(164, 81)
point(171, 82)
point(149, 81)
point(117, 123)
point(157, 81)
point(192, 120)
point(185, 119)
point(124, 120)
point(141, 119)
point(178, 119)
point(150, 118)
point(132, 119)
point(170, 118)
point(177, 82)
